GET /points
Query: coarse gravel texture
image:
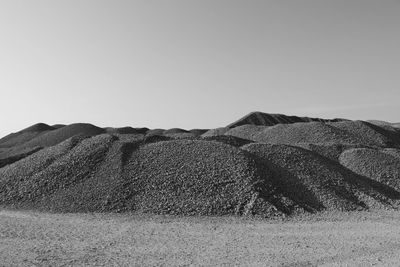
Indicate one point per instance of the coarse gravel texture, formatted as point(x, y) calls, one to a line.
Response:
point(368, 134)
point(193, 177)
point(315, 183)
point(377, 164)
point(34, 180)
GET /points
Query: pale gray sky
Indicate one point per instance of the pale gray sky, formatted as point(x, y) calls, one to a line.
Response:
point(196, 64)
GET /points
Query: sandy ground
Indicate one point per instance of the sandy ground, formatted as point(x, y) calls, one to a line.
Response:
point(352, 239)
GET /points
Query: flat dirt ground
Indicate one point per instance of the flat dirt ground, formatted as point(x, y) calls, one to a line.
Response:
point(30, 238)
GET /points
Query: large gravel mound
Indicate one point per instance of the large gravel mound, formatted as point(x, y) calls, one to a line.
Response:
point(172, 177)
point(373, 163)
point(192, 177)
point(316, 183)
point(291, 134)
point(265, 119)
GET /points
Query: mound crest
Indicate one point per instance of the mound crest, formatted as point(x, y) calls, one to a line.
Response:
point(19, 138)
point(265, 119)
point(291, 134)
point(57, 136)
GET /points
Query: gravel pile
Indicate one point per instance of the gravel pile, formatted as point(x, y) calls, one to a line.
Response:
point(57, 136)
point(193, 177)
point(368, 134)
point(24, 135)
point(41, 179)
point(315, 183)
point(289, 168)
point(173, 177)
point(291, 134)
point(374, 164)
point(12, 155)
point(198, 132)
point(227, 139)
point(14, 177)
point(126, 130)
point(329, 151)
point(155, 132)
point(265, 119)
point(215, 132)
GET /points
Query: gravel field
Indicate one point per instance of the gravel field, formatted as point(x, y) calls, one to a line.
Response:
point(30, 238)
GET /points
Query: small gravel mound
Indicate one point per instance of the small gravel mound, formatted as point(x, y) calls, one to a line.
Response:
point(315, 183)
point(374, 164)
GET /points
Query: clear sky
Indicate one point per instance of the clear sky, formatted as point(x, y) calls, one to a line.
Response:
point(196, 64)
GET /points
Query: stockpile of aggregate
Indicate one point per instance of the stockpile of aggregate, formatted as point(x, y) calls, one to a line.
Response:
point(330, 151)
point(16, 178)
point(157, 131)
point(227, 139)
point(375, 164)
point(57, 136)
point(315, 183)
point(198, 132)
point(291, 134)
point(178, 133)
point(126, 130)
point(215, 132)
point(193, 177)
point(266, 119)
point(38, 180)
point(24, 135)
point(367, 133)
point(12, 155)
point(102, 173)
